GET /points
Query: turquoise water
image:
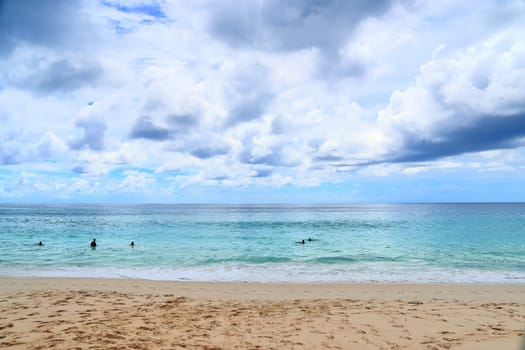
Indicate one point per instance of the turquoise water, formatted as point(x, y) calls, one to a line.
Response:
point(444, 243)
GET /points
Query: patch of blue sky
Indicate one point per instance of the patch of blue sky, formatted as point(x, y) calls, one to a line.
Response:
point(116, 174)
point(153, 9)
point(122, 172)
point(446, 188)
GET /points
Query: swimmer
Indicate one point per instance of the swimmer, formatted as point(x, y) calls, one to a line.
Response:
point(94, 243)
point(132, 244)
point(300, 242)
point(40, 243)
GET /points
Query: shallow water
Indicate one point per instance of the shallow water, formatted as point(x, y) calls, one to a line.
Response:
point(448, 243)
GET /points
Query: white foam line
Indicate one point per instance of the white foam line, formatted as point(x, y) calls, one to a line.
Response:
point(284, 273)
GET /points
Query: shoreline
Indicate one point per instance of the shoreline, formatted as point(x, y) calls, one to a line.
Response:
point(85, 313)
point(271, 290)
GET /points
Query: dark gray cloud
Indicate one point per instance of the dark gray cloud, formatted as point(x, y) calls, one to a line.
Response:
point(486, 133)
point(218, 178)
point(59, 76)
point(93, 135)
point(45, 23)
point(145, 129)
point(209, 152)
point(251, 107)
point(331, 66)
point(250, 95)
point(176, 124)
point(47, 29)
point(183, 121)
point(328, 158)
point(291, 24)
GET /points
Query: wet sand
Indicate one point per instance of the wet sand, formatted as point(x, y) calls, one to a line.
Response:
point(44, 313)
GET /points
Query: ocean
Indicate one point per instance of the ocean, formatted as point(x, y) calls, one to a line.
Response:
point(382, 243)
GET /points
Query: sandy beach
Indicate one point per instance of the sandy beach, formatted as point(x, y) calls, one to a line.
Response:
point(44, 313)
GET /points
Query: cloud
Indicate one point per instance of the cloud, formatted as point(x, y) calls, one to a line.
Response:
point(93, 135)
point(48, 47)
point(177, 126)
point(328, 158)
point(49, 76)
point(209, 152)
point(41, 23)
point(257, 93)
point(183, 121)
point(262, 173)
point(15, 149)
point(323, 27)
point(145, 129)
point(470, 102)
point(10, 151)
point(289, 25)
point(79, 169)
point(249, 94)
point(49, 146)
point(252, 105)
point(269, 151)
point(489, 133)
point(99, 163)
point(136, 181)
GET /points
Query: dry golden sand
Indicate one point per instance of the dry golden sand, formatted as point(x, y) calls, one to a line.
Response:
point(50, 313)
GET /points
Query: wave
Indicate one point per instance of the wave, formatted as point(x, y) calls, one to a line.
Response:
point(247, 260)
point(283, 273)
point(361, 258)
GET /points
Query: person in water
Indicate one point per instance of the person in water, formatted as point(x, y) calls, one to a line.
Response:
point(300, 242)
point(94, 243)
point(132, 244)
point(40, 243)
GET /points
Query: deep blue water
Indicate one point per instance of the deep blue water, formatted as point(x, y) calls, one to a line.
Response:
point(448, 243)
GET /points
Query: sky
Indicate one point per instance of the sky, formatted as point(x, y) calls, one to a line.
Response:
point(262, 101)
